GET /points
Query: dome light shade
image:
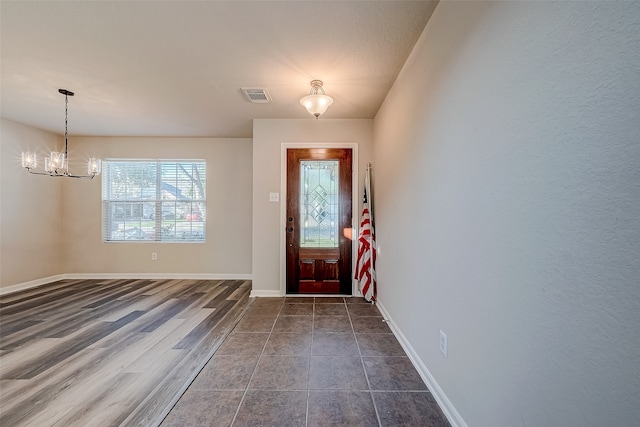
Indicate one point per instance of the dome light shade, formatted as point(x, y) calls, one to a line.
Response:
point(317, 101)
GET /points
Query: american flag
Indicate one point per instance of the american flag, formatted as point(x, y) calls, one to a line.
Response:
point(365, 266)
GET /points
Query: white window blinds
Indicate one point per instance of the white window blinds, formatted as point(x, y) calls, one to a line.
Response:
point(154, 200)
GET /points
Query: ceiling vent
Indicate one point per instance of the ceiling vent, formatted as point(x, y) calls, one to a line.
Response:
point(257, 95)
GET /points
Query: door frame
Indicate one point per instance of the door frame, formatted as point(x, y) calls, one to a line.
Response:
point(355, 197)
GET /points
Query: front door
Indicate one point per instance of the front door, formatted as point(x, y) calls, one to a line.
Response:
point(318, 221)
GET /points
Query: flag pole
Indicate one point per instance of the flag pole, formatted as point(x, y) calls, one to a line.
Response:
point(367, 184)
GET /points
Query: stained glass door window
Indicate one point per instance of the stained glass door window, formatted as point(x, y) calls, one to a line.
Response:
point(319, 204)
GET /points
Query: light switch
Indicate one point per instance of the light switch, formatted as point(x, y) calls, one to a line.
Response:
point(274, 197)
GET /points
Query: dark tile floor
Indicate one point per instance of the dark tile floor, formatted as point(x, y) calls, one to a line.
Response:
point(305, 361)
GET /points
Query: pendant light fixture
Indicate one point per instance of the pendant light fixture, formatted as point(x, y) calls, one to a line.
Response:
point(317, 101)
point(57, 164)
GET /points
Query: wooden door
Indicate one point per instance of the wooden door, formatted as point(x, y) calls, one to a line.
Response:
point(318, 220)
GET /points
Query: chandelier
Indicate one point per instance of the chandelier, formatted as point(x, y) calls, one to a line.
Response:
point(317, 101)
point(57, 163)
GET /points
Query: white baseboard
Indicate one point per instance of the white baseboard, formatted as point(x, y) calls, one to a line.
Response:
point(265, 294)
point(157, 276)
point(447, 407)
point(110, 276)
point(31, 284)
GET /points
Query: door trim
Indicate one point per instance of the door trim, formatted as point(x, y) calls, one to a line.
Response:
point(283, 205)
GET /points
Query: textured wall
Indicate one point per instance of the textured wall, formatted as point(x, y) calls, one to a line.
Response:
point(507, 188)
point(30, 209)
point(268, 136)
point(227, 250)
point(53, 226)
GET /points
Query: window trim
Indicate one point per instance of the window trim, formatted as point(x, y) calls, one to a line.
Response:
point(158, 200)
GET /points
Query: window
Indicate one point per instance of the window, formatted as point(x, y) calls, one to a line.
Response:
point(319, 203)
point(153, 200)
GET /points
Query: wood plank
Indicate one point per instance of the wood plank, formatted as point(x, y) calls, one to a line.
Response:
point(109, 352)
point(147, 413)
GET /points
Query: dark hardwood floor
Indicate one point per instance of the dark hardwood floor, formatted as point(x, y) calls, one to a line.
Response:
point(109, 352)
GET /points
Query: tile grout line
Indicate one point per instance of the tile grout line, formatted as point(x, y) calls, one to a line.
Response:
point(385, 394)
point(313, 328)
point(246, 389)
point(355, 336)
point(262, 354)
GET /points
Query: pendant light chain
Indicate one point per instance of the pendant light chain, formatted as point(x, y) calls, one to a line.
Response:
point(66, 132)
point(66, 114)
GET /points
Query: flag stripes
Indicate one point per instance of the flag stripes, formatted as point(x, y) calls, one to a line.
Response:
point(365, 266)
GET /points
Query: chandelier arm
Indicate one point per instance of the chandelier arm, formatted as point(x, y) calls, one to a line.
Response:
point(68, 175)
point(55, 174)
point(42, 173)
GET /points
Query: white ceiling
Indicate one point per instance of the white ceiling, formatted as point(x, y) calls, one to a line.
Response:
point(175, 68)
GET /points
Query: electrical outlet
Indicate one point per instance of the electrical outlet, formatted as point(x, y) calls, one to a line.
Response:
point(443, 344)
point(154, 256)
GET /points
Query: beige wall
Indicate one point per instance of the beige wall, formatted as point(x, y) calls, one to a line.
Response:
point(268, 137)
point(53, 226)
point(227, 250)
point(507, 193)
point(233, 187)
point(30, 209)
